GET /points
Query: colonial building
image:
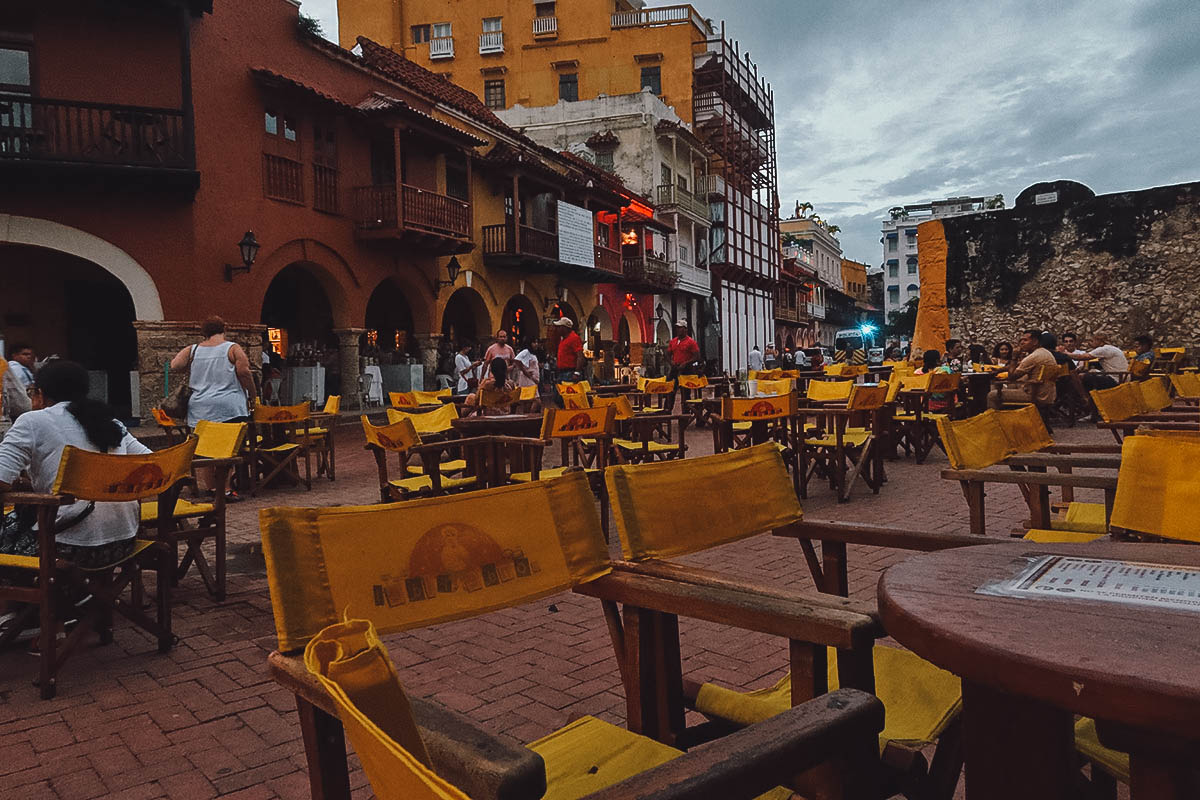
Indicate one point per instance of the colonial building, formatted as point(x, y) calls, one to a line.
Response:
point(799, 301)
point(512, 54)
point(382, 208)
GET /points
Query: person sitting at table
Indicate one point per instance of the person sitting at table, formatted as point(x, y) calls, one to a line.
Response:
point(1103, 357)
point(1144, 346)
point(1026, 372)
point(931, 362)
point(953, 358)
point(1068, 388)
point(497, 379)
point(1003, 356)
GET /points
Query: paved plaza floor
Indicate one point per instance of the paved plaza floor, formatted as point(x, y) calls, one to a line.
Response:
point(205, 721)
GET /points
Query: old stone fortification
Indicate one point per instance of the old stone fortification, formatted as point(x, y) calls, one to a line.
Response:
point(1121, 264)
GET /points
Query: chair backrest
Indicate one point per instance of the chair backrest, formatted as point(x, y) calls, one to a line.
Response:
point(430, 398)
point(751, 409)
point(1139, 369)
point(764, 374)
point(781, 386)
point(943, 382)
point(671, 508)
point(793, 374)
point(893, 388)
point(1025, 429)
point(569, 423)
point(829, 391)
point(1154, 392)
point(1119, 403)
point(161, 417)
point(867, 398)
point(438, 420)
point(579, 387)
point(421, 562)
point(525, 393)
point(219, 439)
point(836, 370)
point(692, 382)
point(493, 397)
point(1187, 384)
point(620, 403)
point(915, 383)
point(281, 415)
point(397, 437)
point(975, 442)
point(1157, 490)
point(659, 386)
point(576, 401)
point(333, 404)
point(112, 478)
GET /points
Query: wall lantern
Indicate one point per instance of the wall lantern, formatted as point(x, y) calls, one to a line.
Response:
point(452, 268)
point(659, 311)
point(249, 249)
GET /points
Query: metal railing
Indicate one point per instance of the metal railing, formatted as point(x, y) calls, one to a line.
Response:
point(39, 129)
point(664, 15)
point(489, 42)
point(441, 47)
point(375, 208)
point(672, 194)
point(650, 272)
point(545, 26)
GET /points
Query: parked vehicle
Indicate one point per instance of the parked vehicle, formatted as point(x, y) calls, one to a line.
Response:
point(818, 356)
point(875, 357)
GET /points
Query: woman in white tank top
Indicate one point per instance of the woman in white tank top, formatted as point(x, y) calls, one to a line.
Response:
point(220, 376)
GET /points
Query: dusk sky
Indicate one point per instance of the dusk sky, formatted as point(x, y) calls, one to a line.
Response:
point(879, 104)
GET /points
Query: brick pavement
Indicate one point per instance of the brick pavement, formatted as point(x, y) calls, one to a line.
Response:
point(204, 720)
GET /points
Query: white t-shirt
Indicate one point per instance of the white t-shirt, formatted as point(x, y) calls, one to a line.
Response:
point(531, 363)
point(461, 372)
point(756, 360)
point(1111, 358)
point(35, 443)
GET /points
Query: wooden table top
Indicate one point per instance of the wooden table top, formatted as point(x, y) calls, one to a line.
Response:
point(514, 424)
point(1129, 664)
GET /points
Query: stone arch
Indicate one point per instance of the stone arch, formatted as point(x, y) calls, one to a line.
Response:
point(147, 305)
point(599, 316)
point(325, 264)
point(298, 300)
point(389, 312)
point(520, 319)
point(663, 333)
point(465, 316)
point(634, 325)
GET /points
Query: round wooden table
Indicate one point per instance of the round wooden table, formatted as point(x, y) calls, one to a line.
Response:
point(979, 386)
point(1029, 665)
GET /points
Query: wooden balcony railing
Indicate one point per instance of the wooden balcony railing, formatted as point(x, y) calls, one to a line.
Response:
point(422, 211)
point(283, 178)
point(608, 260)
point(325, 189)
point(649, 272)
point(38, 129)
point(491, 42)
point(664, 15)
point(672, 195)
point(441, 47)
point(498, 240)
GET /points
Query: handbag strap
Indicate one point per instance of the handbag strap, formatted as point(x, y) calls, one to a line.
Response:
point(191, 358)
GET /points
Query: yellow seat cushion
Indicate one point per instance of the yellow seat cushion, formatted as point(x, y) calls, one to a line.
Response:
point(852, 437)
point(31, 562)
point(654, 447)
point(546, 474)
point(1042, 536)
point(455, 465)
point(421, 482)
point(919, 699)
point(1082, 517)
point(280, 448)
point(1087, 742)
point(183, 509)
point(741, 427)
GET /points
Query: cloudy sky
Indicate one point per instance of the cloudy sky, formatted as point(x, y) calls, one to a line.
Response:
point(880, 104)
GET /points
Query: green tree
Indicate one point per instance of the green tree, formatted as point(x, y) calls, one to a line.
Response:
point(903, 322)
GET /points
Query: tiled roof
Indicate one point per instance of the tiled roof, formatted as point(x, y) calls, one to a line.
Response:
point(275, 80)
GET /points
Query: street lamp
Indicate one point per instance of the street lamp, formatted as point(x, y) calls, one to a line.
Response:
point(659, 311)
point(452, 269)
point(249, 250)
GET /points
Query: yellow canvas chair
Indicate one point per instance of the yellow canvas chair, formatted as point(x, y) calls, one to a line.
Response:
point(777, 387)
point(403, 399)
point(401, 438)
point(1128, 406)
point(765, 374)
point(394, 568)
point(829, 391)
point(655, 396)
point(278, 439)
point(921, 700)
point(576, 401)
point(218, 445)
point(175, 430)
point(95, 593)
point(438, 422)
point(691, 388)
point(570, 426)
point(320, 436)
point(1187, 386)
point(624, 409)
point(917, 423)
point(844, 452)
point(745, 421)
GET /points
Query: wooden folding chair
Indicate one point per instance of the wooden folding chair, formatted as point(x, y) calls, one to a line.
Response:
point(433, 477)
point(407, 566)
point(217, 447)
point(55, 591)
point(917, 421)
point(435, 424)
point(844, 444)
point(175, 430)
point(746, 421)
point(277, 440)
point(832, 639)
point(691, 389)
point(1129, 406)
point(642, 443)
point(320, 436)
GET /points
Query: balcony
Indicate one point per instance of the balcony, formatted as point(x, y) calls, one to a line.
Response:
point(545, 27)
point(415, 216)
point(441, 47)
point(490, 42)
point(786, 313)
point(815, 310)
point(608, 260)
point(710, 186)
point(38, 135)
point(649, 273)
point(665, 15)
point(673, 195)
point(537, 251)
point(719, 65)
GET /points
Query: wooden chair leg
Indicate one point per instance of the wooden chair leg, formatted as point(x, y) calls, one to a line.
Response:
point(47, 638)
point(325, 750)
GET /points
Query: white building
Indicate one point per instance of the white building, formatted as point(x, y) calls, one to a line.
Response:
point(901, 273)
point(825, 248)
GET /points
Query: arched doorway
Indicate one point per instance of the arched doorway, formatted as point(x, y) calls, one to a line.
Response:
point(465, 318)
point(62, 304)
point(520, 320)
point(389, 321)
point(299, 320)
point(599, 328)
point(663, 333)
point(791, 342)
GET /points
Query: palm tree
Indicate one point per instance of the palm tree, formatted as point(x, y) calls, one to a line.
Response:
point(833, 229)
point(803, 208)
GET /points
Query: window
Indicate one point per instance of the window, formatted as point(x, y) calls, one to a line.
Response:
point(913, 289)
point(456, 176)
point(568, 86)
point(289, 129)
point(441, 30)
point(892, 244)
point(420, 34)
point(493, 93)
point(604, 160)
point(681, 181)
point(272, 123)
point(683, 254)
point(652, 78)
point(15, 72)
point(492, 24)
point(544, 9)
point(912, 265)
point(665, 172)
point(893, 270)
point(325, 174)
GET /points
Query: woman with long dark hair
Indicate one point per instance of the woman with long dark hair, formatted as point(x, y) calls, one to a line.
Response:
point(89, 534)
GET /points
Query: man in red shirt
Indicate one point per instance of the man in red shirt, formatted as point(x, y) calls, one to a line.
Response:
point(683, 348)
point(570, 351)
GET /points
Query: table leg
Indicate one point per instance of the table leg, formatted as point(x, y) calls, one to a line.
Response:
point(1016, 747)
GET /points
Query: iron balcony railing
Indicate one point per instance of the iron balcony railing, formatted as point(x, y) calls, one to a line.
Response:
point(490, 42)
point(39, 129)
point(650, 272)
point(545, 26)
point(441, 47)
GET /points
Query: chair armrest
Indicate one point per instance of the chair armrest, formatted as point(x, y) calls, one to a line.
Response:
point(479, 763)
point(842, 725)
point(217, 462)
point(35, 499)
point(1083, 448)
point(1032, 478)
point(801, 617)
point(1094, 461)
point(879, 536)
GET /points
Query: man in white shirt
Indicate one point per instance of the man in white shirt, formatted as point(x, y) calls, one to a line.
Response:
point(526, 366)
point(465, 369)
point(1111, 358)
point(756, 358)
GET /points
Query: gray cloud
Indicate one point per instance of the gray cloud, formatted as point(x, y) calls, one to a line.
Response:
point(880, 104)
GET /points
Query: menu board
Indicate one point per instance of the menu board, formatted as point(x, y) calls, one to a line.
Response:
point(1105, 580)
point(576, 236)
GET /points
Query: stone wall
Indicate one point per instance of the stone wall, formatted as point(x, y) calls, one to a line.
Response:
point(158, 342)
point(1121, 264)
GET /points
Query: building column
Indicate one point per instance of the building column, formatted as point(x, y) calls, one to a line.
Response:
point(428, 345)
point(348, 339)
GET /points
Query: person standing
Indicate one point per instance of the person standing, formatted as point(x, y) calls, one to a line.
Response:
point(570, 352)
point(755, 361)
point(222, 384)
point(500, 349)
point(526, 368)
point(466, 371)
point(16, 378)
